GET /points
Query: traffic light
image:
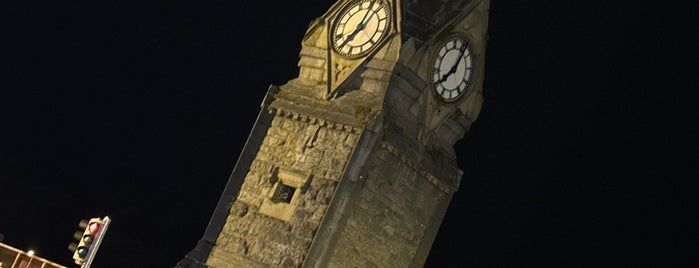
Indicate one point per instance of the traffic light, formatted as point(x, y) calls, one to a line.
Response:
point(88, 240)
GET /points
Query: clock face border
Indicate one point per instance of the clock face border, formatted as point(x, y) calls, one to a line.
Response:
point(446, 49)
point(345, 15)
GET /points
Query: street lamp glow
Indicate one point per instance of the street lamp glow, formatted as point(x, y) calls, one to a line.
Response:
point(30, 252)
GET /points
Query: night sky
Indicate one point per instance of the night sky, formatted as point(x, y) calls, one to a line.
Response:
point(139, 111)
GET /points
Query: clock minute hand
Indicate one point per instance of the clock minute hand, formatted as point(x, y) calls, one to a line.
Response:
point(362, 24)
point(364, 21)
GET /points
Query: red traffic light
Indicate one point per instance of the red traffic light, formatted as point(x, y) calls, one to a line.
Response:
point(90, 231)
point(93, 227)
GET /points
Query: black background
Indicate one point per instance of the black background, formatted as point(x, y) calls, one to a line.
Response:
point(139, 111)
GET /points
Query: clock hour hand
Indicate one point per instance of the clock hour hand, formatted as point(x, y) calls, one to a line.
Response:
point(350, 36)
point(443, 78)
point(450, 72)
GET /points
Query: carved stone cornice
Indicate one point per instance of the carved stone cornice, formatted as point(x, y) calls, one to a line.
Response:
point(350, 113)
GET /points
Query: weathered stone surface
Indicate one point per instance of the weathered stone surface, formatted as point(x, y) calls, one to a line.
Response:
point(262, 240)
point(394, 208)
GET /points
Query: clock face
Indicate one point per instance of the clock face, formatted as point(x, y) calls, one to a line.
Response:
point(453, 69)
point(360, 27)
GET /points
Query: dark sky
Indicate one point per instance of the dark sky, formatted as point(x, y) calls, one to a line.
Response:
point(139, 111)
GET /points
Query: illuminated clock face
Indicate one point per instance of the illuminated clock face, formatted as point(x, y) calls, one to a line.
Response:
point(359, 27)
point(453, 69)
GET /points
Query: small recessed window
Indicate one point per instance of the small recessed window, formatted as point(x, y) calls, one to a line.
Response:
point(283, 193)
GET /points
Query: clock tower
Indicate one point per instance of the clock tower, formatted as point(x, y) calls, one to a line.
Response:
point(351, 164)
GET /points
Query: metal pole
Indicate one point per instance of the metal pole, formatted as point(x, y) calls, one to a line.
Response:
point(15, 262)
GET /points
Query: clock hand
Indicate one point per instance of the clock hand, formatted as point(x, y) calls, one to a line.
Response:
point(364, 20)
point(350, 36)
point(450, 72)
point(362, 24)
point(453, 67)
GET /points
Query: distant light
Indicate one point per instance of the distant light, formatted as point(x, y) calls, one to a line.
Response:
point(30, 252)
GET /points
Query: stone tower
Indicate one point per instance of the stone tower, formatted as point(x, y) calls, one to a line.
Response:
point(351, 164)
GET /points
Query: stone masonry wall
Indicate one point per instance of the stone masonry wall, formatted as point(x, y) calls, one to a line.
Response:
point(251, 239)
point(391, 214)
